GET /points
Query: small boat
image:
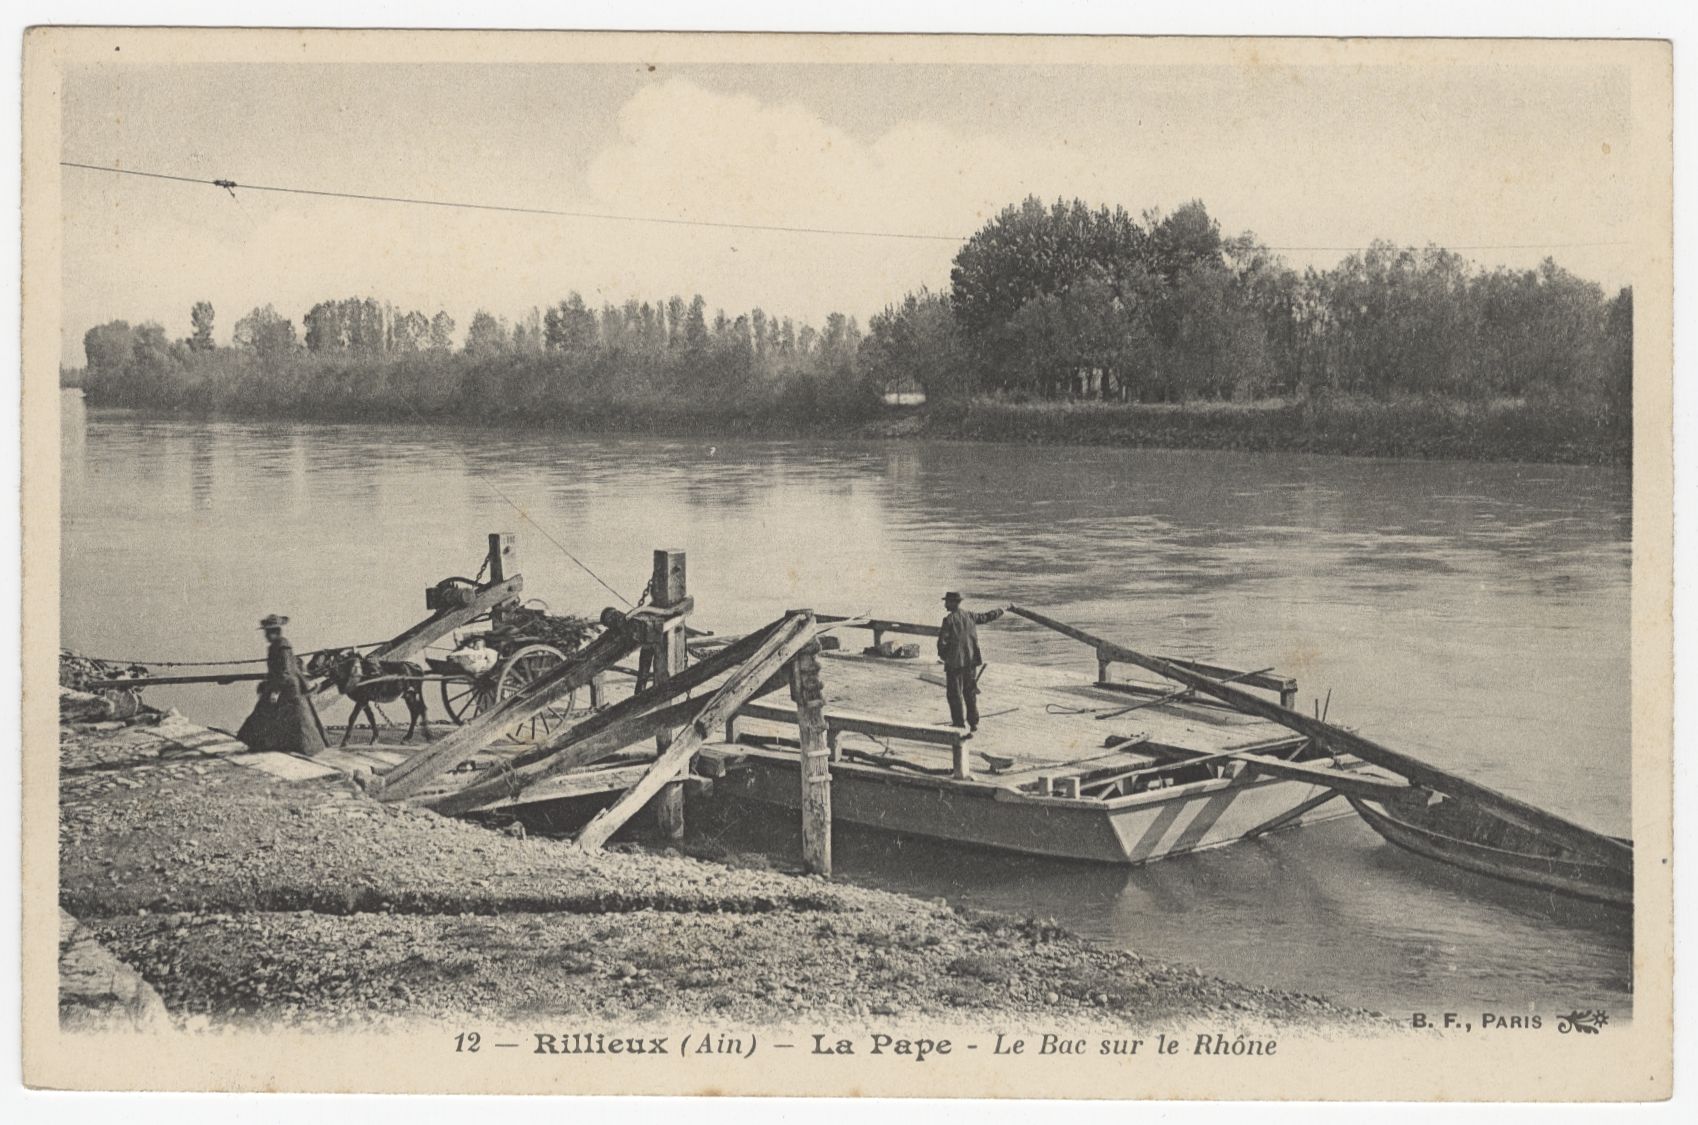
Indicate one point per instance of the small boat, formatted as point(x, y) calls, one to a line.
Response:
point(1461, 833)
point(1437, 814)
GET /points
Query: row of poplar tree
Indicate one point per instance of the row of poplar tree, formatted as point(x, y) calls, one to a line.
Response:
point(1059, 301)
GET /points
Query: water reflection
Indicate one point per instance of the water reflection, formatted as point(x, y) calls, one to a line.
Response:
point(1473, 613)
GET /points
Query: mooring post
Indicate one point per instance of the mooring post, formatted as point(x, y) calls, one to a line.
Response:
point(668, 588)
point(815, 759)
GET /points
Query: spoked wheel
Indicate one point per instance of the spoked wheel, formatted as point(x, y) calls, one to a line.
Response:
point(518, 672)
point(463, 699)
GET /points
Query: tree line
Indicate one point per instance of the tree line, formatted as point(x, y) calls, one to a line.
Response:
point(1046, 302)
point(359, 356)
point(1066, 301)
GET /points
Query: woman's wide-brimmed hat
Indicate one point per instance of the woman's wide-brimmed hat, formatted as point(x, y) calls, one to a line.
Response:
point(274, 621)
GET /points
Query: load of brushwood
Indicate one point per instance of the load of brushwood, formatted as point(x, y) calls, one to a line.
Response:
point(525, 625)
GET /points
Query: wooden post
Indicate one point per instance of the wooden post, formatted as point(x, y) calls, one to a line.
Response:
point(1103, 664)
point(670, 653)
point(739, 687)
point(814, 758)
point(503, 555)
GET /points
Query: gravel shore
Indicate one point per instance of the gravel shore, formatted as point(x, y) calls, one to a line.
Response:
point(244, 898)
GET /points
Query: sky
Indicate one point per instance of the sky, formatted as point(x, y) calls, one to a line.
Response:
point(1522, 161)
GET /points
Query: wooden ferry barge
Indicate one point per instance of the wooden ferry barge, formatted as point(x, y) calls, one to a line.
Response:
point(1063, 765)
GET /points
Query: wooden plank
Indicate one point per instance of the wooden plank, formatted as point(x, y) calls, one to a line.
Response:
point(1104, 780)
point(428, 632)
point(838, 720)
point(815, 758)
point(1265, 678)
point(878, 625)
point(515, 787)
point(583, 783)
point(1604, 849)
point(1174, 696)
point(1344, 781)
point(606, 731)
point(572, 673)
point(790, 638)
point(160, 681)
point(1290, 815)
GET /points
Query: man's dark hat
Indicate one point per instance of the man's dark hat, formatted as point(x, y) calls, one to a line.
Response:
point(275, 621)
point(952, 596)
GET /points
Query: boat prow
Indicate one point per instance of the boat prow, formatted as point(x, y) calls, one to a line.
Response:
point(1461, 833)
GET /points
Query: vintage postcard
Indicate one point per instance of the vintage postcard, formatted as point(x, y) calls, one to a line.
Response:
point(847, 565)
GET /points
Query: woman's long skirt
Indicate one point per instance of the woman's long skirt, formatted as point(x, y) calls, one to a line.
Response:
point(283, 720)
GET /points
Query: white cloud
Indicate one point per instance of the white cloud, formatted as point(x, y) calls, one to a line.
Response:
point(1330, 160)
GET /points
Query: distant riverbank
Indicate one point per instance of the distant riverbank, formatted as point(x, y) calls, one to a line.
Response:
point(1514, 430)
point(1423, 429)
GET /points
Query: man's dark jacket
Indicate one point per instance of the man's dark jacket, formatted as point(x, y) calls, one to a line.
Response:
point(958, 637)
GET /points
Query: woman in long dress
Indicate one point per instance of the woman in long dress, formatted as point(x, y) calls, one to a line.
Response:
point(283, 719)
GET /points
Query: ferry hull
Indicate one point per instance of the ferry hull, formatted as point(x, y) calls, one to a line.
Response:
point(1130, 830)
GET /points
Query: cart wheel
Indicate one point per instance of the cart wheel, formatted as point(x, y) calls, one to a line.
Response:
point(463, 699)
point(523, 668)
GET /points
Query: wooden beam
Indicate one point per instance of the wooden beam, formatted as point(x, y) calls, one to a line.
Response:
point(814, 755)
point(461, 743)
point(838, 721)
point(790, 638)
point(506, 786)
point(583, 743)
point(878, 625)
point(160, 681)
point(1604, 849)
point(1172, 696)
point(583, 783)
point(428, 632)
point(1343, 781)
point(1266, 678)
point(1290, 815)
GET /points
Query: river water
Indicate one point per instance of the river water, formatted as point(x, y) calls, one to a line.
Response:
point(1476, 614)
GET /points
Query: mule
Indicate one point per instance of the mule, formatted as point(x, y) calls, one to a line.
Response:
point(369, 682)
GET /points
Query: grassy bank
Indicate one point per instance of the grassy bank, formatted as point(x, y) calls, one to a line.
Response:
point(1505, 430)
point(244, 898)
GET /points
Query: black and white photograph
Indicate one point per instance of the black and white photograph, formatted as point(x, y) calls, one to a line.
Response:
point(963, 566)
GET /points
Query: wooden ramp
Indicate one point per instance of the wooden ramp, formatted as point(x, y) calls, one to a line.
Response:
point(612, 776)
